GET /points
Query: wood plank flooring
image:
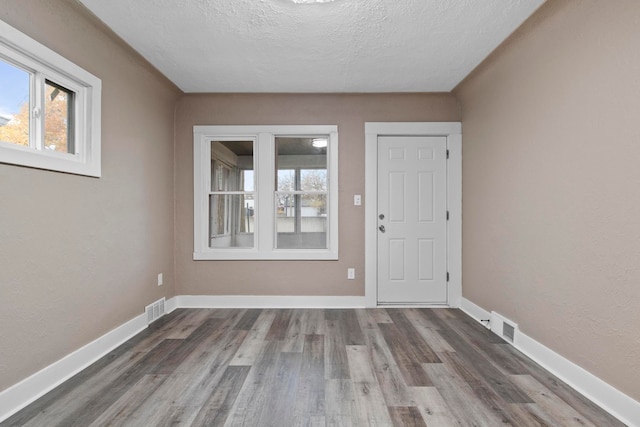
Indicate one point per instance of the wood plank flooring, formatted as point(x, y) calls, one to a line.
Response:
point(373, 367)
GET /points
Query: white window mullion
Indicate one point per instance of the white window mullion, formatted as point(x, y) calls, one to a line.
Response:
point(36, 116)
point(202, 185)
point(265, 186)
point(205, 182)
point(38, 112)
point(81, 129)
point(332, 194)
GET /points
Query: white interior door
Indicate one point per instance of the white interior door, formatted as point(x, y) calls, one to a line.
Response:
point(412, 219)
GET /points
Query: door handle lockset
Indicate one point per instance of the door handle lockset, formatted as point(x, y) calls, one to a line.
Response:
point(381, 228)
point(381, 216)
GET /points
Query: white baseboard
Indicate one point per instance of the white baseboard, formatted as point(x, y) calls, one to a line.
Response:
point(612, 400)
point(170, 305)
point(269, 301)
point(475, 311)
point(28, 390)
point(394, 305)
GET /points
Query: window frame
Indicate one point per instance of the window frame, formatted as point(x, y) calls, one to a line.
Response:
point(265, 237)
point(43, 64)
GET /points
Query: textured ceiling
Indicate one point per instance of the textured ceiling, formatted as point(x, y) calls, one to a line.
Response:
point(337, 46)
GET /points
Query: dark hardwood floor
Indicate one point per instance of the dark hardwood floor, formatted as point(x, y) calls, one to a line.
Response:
point(374, 367)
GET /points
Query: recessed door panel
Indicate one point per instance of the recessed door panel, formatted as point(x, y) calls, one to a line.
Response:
point(396, 196)
point(425, 153)
point(396, 153)
point(425, 259)
point(396, 259)
point(425, 196)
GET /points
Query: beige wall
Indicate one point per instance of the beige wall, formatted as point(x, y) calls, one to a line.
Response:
point(349, 112)
point(551, 184)
point(79, 256)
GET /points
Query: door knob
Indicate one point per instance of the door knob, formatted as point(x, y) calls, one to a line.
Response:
point(381, 216)
point(381, 228)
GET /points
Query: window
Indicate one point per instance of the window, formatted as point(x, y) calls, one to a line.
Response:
point(231, 199)
point(265, 192)
point(49, 108)
point(301, 193)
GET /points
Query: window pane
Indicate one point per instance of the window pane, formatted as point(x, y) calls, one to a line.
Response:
point(232, 166)
point(286, 180)
point(231, 220)
point(58, 118)
point(248, 180)
point(313, 180)
point(232, 216)
point(14, 104)
point(299, 156)
point(301, 221)
point(221, 176)
point(313, 213)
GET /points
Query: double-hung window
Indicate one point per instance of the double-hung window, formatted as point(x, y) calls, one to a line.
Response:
point(265, 192)
point(49, 108)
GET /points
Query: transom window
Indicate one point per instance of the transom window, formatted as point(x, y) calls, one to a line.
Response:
point(265, 192)
point(49, 108)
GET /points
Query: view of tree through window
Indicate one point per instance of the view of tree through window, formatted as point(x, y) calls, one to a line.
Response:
point(14, 104)
point(15, 111)
point(58, 118)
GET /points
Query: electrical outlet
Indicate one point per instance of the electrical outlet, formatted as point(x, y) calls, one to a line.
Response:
point(357, 200)
point(351, 273)
point(160, 279)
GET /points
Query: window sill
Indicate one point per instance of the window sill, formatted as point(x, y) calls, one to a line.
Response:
point(59, 162)
point(253, 255)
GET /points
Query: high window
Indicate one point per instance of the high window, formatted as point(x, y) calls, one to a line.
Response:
point(265, 192)
point(49, 108)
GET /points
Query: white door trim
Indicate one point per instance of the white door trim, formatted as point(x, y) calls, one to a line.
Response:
point(453, 132)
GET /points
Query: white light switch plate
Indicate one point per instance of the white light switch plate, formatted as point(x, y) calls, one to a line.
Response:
point(351, 273)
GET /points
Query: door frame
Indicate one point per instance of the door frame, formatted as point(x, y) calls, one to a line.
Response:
point(453, 132)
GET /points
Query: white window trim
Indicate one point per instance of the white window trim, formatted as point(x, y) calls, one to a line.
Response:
point(264, 155)
point(27, 52)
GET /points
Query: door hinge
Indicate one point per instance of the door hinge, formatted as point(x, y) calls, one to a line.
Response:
point(447, 154)
point(447, 215)
point(447, 276)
